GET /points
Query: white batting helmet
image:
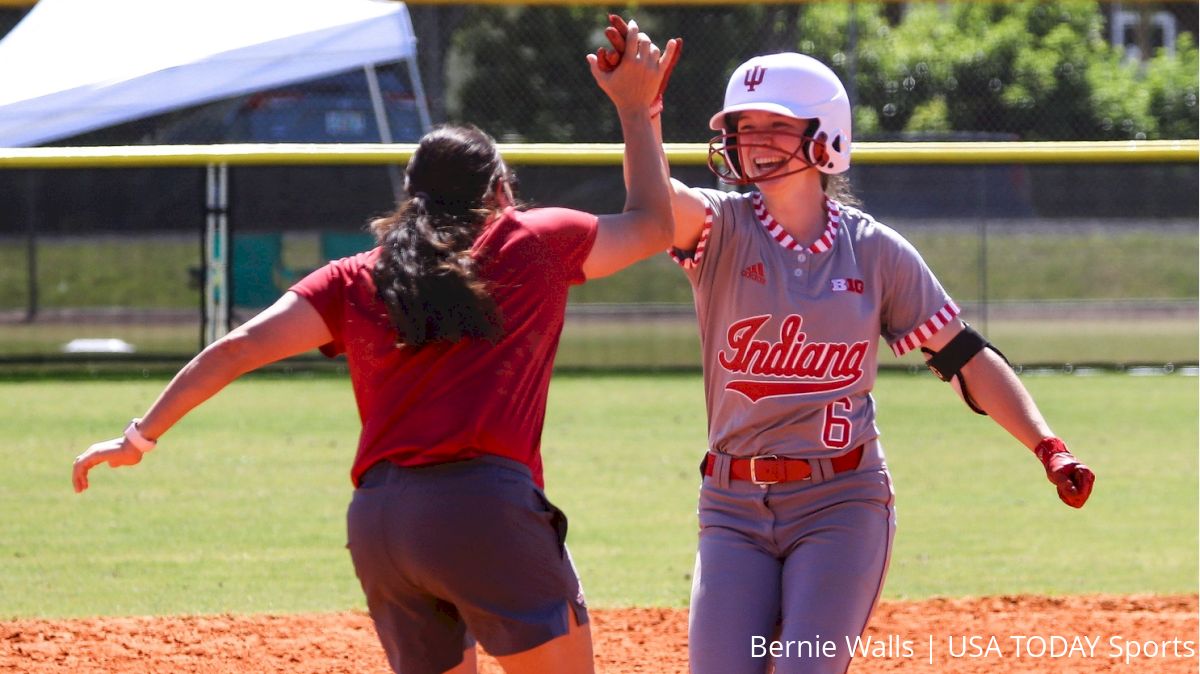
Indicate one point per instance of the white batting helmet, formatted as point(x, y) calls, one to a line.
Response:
point(793, 85)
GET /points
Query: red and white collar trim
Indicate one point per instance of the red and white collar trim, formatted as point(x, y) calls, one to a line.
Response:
point(822, 244)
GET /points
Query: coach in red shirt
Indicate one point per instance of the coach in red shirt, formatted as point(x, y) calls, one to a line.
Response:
point(450, 327)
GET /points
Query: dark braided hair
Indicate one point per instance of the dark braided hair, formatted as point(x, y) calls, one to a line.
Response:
point(426, 274)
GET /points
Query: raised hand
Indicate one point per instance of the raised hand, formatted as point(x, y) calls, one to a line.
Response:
point(608, 59)
point(641, 80)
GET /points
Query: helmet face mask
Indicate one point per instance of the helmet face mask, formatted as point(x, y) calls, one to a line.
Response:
point(792, 85)
point(725, 159)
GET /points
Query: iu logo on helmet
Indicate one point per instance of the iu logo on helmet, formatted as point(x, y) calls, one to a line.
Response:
point(754, 77)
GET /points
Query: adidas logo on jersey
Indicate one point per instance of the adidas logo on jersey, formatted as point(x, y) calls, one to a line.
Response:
point(756, 272)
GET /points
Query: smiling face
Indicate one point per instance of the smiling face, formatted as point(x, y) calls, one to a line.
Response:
point(770, 145)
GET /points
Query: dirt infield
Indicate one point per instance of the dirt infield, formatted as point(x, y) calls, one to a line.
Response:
point(1077, 634)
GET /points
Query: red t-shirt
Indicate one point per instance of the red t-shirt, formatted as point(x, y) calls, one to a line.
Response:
point(453, 401)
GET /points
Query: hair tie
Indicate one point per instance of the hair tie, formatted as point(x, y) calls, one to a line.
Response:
point(422, 202)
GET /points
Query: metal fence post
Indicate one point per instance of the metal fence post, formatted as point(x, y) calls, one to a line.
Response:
point(31, 246)
point(218, 301)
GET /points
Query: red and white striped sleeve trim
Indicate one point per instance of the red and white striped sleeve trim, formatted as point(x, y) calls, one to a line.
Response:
point(689, 259)
point(926, 330)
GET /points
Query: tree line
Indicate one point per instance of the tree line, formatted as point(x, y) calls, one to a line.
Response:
point(1031, 70)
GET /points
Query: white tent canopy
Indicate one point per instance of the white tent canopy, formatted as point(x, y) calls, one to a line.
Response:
point(73, 66)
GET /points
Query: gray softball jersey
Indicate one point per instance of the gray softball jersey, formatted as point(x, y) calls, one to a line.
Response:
point(790, 332)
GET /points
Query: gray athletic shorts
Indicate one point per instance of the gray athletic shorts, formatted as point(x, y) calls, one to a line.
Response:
point(455, 552)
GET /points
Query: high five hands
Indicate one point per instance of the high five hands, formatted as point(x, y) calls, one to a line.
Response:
point(628, 42)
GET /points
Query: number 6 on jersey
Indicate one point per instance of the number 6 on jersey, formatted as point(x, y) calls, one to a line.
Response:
point(835, 432)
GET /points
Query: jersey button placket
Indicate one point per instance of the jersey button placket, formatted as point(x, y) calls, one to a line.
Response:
point(802, 257)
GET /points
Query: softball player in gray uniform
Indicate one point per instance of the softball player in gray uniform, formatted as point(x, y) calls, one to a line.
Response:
point(793, 291)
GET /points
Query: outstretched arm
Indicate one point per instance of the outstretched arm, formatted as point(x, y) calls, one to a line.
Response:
point(997, 392)
point(289, 327)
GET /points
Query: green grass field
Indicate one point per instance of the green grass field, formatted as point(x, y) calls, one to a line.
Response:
point(241, 509)
point(1082, 264)
point(666, 343)
point(653, 343)
point(1097, 263)
point(1088, 264)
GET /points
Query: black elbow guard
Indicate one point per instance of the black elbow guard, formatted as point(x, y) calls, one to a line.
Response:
point(947, 364)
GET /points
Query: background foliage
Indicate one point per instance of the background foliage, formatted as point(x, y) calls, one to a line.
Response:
point(1031, 70)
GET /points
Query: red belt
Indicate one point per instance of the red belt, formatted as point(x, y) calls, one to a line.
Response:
point(770, 469)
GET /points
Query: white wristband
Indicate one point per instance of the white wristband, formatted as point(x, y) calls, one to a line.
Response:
point(140, 442)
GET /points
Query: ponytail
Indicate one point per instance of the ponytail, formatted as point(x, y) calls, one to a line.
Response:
point(426, 274)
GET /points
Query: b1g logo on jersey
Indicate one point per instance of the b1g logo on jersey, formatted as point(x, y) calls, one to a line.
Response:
point(801, 366)
point(844, 285)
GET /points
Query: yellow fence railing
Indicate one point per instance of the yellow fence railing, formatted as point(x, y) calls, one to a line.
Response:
point(589, 154)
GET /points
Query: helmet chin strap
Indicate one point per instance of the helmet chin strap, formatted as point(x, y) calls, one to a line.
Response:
point(731, 172)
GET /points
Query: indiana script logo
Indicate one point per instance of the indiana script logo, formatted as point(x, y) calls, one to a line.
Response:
point(799, 365)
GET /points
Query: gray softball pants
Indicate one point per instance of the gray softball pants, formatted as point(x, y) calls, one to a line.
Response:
point(789, 573)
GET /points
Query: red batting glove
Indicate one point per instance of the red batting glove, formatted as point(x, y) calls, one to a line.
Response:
point(1073, 479)
point(615, 32)
point(609, 59)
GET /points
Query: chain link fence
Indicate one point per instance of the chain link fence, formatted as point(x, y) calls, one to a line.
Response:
point(1060, 263)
